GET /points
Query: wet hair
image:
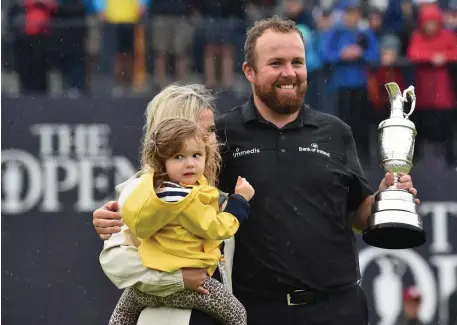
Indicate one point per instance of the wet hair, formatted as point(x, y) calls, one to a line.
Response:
point(275, 23)
point(169, 139)
point(184, 101)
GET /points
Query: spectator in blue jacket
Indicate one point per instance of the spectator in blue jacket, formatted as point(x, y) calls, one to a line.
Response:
point(399, 19)
point(350, 50)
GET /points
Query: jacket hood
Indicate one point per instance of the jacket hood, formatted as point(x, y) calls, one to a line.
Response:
point(430, 12)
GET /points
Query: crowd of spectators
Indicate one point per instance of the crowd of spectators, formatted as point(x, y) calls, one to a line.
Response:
point(353, 47)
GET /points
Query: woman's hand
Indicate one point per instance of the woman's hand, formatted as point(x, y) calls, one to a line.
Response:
point(194, 280)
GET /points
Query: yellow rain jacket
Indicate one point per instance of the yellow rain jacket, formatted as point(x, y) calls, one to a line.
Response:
point(176, 235)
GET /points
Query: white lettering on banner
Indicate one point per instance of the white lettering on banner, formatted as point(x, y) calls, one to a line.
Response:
point(440, 221)
point(435, 286)
point(72, 158)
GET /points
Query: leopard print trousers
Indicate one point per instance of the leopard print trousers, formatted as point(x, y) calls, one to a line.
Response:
point(219, 303)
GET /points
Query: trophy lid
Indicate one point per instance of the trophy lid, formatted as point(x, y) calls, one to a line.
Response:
point(397, 100)
point(398, 117)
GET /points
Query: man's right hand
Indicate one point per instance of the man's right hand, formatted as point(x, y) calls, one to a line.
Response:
point(107, 220)
point(194, 280)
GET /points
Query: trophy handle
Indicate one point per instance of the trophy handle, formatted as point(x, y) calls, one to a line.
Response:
point(410, 91)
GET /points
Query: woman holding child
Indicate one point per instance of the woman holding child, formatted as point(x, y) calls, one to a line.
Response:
point(169, 252)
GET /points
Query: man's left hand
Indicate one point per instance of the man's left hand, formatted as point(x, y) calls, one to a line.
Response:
point(405, 182)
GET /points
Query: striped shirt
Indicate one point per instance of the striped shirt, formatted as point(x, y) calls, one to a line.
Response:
point(172, 192)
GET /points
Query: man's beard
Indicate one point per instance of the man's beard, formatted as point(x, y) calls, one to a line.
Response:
point(283, 104)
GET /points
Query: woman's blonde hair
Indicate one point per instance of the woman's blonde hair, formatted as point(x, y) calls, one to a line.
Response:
point(182, 101)
point(169, 139)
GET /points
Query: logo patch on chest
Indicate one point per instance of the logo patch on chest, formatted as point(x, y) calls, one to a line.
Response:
point(314, 148)
point(239, 153)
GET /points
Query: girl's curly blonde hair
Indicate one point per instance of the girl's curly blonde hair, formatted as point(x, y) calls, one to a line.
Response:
point(168, 140)
point(176, 101)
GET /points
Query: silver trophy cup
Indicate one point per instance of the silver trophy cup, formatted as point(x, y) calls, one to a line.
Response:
point(394, 222)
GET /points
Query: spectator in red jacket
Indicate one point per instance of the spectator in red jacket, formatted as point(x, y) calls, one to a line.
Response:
point(31, 44)
point(432, 47)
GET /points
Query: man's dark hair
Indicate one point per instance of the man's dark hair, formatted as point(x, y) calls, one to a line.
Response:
point(275, 23)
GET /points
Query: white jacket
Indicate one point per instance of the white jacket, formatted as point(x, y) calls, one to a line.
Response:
point(122, 264)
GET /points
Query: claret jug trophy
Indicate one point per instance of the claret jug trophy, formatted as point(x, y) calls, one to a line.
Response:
point(394, 222)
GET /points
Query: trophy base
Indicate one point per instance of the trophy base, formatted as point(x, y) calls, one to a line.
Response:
point(394, 235)
point(395, 223)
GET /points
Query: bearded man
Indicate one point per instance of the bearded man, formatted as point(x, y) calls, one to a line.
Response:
point(296, 258)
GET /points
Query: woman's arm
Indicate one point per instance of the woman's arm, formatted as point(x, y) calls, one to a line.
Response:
point(123, 266)
point(122, 263)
